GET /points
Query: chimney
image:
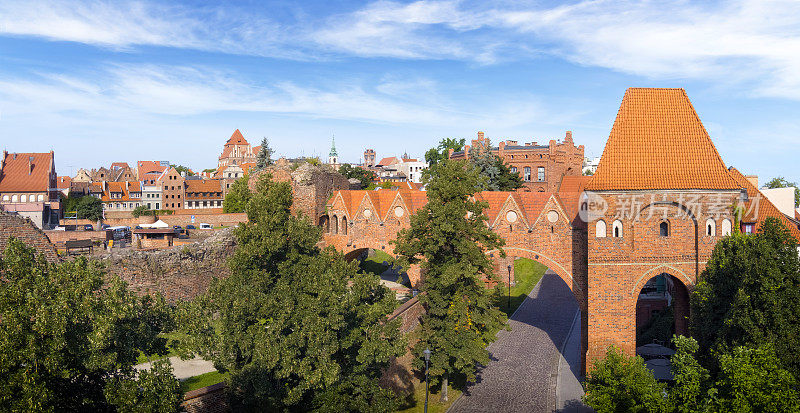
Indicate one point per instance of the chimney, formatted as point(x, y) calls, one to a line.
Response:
point(753, 179)
point(480, 135)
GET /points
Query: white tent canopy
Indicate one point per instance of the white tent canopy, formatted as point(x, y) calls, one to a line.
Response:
point(156, 225)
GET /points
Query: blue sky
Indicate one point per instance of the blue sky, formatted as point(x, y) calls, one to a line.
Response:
point(104, 81)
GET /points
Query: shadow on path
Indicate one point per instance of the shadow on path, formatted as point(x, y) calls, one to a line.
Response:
point(524, 366)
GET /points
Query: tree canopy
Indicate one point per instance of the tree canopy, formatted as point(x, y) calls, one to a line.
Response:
point(298, 328)
point(70, 341)
point(449, 234)
point(781, 182)
point(264, 155)
point(238, 195)
point(441, 151)
point(749, 295)
point(89, 207)
point(498, 175)
point(743, 356)
point(181, 169)
point(619, 383)
point(365, 176)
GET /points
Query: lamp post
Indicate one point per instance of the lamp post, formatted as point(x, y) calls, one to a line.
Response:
point(509, 288)
point(427, 353)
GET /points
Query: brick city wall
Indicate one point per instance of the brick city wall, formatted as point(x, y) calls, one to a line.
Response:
point(210, 399)
point(180, 273)
point(12, 225)
point(618, 267)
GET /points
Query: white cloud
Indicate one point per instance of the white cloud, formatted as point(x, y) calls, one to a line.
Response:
point(119, 91)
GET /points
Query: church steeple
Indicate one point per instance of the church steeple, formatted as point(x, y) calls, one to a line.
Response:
point(333, 157)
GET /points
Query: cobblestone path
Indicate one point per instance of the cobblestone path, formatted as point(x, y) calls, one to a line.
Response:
point(521, 376)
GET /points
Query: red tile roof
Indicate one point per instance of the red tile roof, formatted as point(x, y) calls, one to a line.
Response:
point(532, 203)
point(758, 207)
point(236, 139)
point(202, 185)
point(658, 142)
point(569, 192)
point(26, 172)
point(496, 200)
point(149, 167)
point(388, 161)
point(63, 182)
point(121, 187)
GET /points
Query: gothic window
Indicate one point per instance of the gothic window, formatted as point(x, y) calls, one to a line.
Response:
point(600, 229)
point(617, 229)
point(663, 229)
point(726, 227)
point(711, 228)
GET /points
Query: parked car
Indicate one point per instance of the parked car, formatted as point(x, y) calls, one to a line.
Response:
point(206, 226)
point(59, 229)
point(104, 227)
point(190, 227)
point(88, 227)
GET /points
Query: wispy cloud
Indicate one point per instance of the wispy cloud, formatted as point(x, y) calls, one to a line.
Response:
point(748, 44)
point(120, 90)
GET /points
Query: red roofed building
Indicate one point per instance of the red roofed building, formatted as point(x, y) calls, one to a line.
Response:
point(540, 166)
point(237, 151)
point(28, 186)
point(204, 193)
point(122, 196)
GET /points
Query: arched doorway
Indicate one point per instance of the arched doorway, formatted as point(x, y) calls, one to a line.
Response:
point(662, 310)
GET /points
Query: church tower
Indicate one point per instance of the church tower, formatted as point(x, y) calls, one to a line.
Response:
point(333, 157)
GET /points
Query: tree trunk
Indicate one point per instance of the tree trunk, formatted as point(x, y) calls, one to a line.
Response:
point(444, 390)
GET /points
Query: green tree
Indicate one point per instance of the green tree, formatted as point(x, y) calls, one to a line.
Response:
point(264, 155)
point(298, 328)
point(209, 170)
point(70, 341)
point(752, 380)
point(498, 175)
point(749, 295)
point(450, 236)
point(183, 169)
point(619, 383)
point(692, 391)
point(89, 207)
point(781, 182)
point(366, 176)
point(238, 195)
point(441, 152)
point(141, 210)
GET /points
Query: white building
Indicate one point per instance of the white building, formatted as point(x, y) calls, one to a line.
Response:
point(590, 165)
point(151, 196)
point(412, 169)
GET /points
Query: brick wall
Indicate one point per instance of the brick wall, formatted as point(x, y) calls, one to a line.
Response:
point(180, 273)
point(12, 225)
point(409, 315)
point(210, 399)
point(618, 267)
point(213, 219)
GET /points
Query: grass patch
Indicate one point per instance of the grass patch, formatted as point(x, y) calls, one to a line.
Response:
point(527, 273)
point(374, 264)
point(415, 403)
point(203, 380)
point(171, 351)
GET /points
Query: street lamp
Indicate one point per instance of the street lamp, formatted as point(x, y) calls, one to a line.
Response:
point(509, 288)
point(427, 353)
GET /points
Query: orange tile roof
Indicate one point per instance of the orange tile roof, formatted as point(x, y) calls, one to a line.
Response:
point(149, 167)
point(382, 200)
point(658, 142)
point(133, 186)
point(26, 172)
point(532, 204)
point(496, 200)
point(388, 161)
point(203, 185)
point(236, 139)
point(763, 209)
point(569, 193)
point(63, 182)
point(246, 166)
point(414, 200)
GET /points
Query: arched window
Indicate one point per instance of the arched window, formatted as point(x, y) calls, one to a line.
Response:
point(40, 198)
point(617, 229)
point(13, 198)
point(324, 223)
point(344, 225)
point(23, 198)
point(335, 222)
point(711, 228)
point(5, 198)
point(726, 227)
point(600, 229)
point(663, 229)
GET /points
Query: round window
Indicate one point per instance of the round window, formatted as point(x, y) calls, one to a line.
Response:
point(511, 216)
point(552, 216)
point(399, 212)
point(367, 213)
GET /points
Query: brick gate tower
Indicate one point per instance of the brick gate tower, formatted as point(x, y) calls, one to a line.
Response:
point(660, 200)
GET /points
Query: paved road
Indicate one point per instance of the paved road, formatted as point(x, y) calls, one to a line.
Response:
point(183, 369)
point(524, 366)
